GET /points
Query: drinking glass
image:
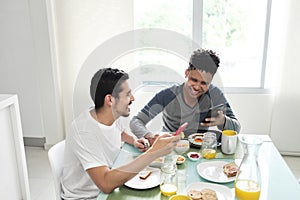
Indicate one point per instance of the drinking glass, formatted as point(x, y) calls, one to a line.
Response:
point(182, 146)
point(168, 177)
point(209, 145)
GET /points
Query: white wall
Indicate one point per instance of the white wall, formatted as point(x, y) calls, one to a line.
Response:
point(26, 68)
point(80, 27)
point(18, 68)
point(284, 129)
point(254, 111)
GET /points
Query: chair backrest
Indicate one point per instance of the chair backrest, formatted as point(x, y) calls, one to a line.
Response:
point(56, 159)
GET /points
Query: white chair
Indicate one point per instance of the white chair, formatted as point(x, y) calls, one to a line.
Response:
point(56, 159)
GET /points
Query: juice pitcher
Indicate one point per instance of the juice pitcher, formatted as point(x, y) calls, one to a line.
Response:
point(248, 180)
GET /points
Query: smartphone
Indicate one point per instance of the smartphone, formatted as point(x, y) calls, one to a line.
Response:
point(212, 112)
point(181, 128)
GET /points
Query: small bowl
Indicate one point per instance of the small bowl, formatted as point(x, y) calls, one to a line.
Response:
point(182, 146)
point(179, 197)
point(194, 156)
point(180, 160)
point(196, 139)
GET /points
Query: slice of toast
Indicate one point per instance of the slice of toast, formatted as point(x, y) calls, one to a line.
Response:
point(144, 174)
point(230, 169)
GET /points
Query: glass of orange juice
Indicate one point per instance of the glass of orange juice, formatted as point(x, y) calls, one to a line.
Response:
point(168, 189)
point(209, 145)
point(168, 177)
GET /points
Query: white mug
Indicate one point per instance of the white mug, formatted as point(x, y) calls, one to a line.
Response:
point(229, 141)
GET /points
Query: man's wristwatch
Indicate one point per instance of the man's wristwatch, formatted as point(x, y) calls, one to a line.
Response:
point(149, 136)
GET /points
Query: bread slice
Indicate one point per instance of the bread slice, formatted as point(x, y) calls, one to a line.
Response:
point(144, 174)
point(230, 169)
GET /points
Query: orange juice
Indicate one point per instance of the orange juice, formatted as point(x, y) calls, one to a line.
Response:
point(247, 190)
point(209, 153)
point(168, 189)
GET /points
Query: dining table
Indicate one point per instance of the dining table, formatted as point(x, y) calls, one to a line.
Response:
point(277, 180)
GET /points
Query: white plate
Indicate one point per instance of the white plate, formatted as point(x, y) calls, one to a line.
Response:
point(213, 171)
point(223, 192)
point(152, 181)
point(158, 162)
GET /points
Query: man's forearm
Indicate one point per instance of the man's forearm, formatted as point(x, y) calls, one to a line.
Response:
point(108, 179)
point(138, 127)
point(232, 124)
point(128, 138)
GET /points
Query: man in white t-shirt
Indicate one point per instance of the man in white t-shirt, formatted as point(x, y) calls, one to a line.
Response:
point(95, 138)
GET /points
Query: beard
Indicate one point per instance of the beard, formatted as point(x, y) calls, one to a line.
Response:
point(125, 112)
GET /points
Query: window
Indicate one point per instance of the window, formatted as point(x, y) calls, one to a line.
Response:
point(236, 30)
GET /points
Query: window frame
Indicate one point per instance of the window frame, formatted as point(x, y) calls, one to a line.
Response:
point(197, 38)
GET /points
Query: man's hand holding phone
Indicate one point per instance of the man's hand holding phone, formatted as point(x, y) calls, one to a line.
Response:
point(214, 121)
point(181, 128)
point(214, 116)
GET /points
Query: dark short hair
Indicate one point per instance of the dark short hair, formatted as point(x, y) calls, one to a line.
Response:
point(106, 81)
point(205, 60)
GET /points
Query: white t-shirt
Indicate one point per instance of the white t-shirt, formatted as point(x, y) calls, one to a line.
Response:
point(89, 144)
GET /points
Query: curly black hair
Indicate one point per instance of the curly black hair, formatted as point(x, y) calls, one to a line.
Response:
point(205, 60)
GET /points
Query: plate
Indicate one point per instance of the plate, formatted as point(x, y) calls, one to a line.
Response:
point(152, 181)
point(157, 162)
point(223, 192)
point(192, 137)
point(213, 171)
